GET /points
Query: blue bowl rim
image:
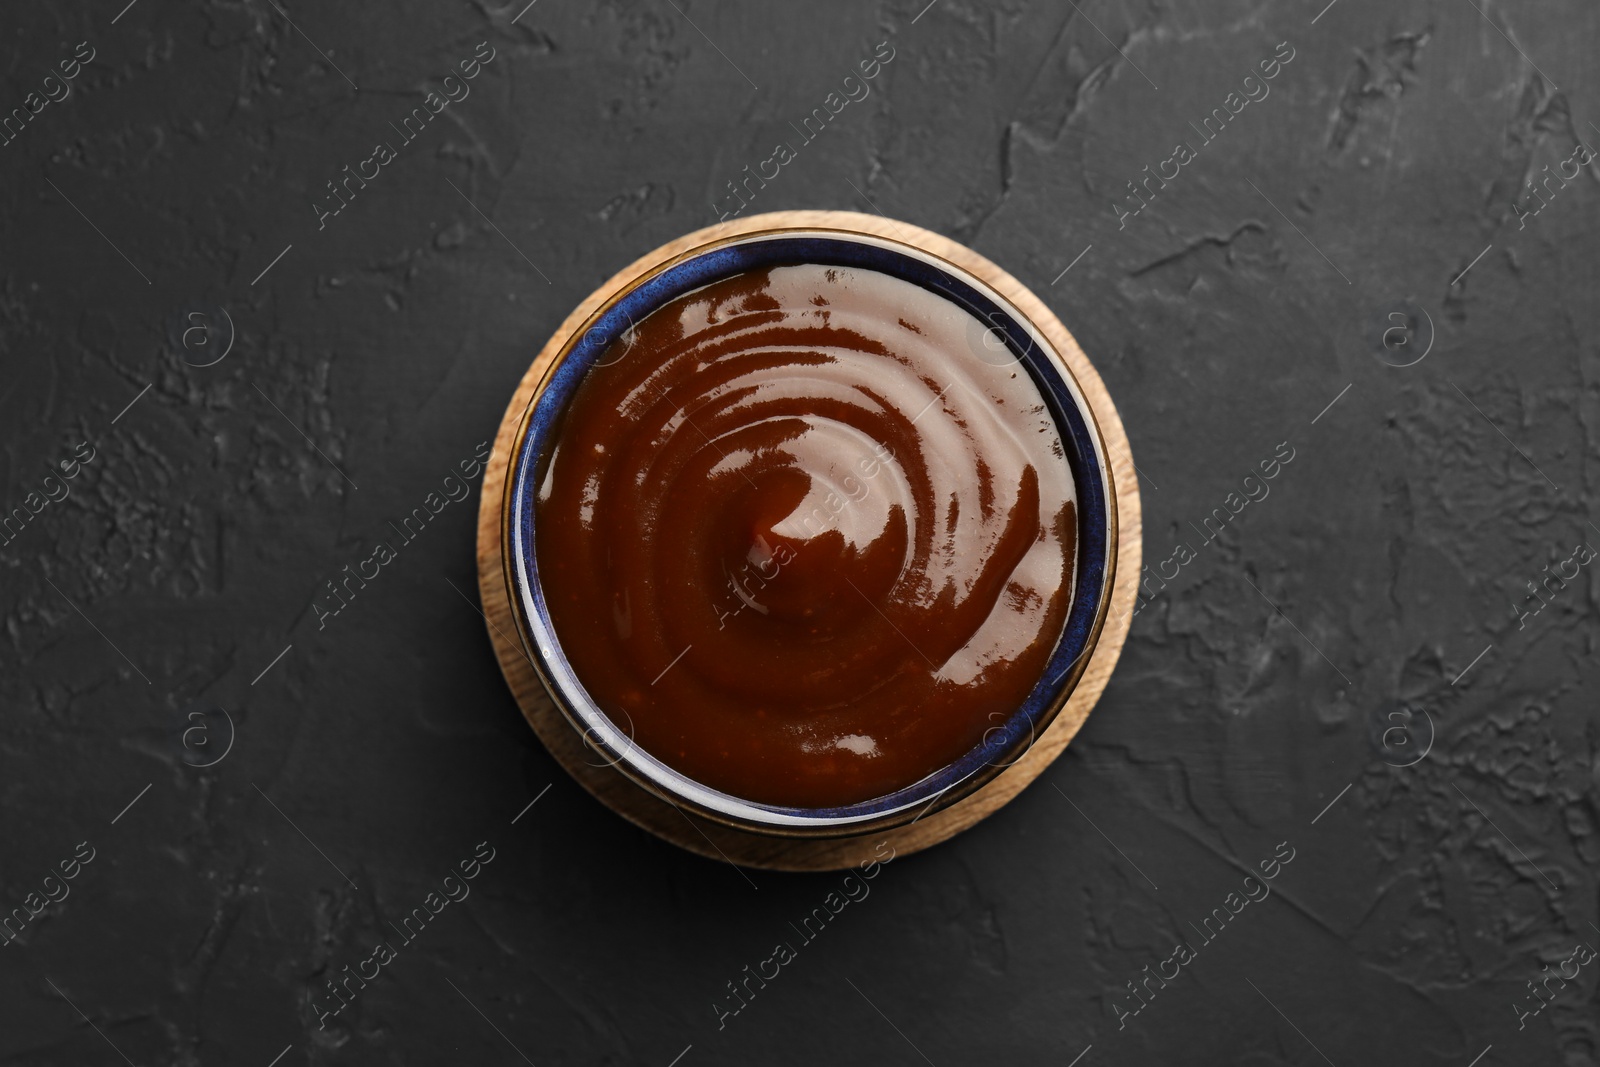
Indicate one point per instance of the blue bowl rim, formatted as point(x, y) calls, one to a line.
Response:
point(1002, 745)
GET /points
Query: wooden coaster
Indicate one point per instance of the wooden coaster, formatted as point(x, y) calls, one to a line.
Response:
point(711, 839)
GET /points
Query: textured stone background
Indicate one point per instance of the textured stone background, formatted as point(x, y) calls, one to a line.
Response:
point(377, 352)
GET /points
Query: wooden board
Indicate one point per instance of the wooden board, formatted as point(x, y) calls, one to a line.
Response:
point(712, 839)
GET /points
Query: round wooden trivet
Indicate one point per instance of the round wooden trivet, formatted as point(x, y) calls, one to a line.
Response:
point(714, 840)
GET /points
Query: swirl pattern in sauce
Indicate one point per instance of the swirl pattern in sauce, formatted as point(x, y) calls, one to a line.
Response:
point(806, 536)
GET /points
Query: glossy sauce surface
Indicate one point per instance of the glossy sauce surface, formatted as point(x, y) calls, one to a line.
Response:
point(807, 534)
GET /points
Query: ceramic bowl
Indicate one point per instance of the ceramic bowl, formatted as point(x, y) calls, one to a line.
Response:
point(1010, 336)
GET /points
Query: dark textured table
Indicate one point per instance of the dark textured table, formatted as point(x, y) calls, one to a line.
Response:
point(264, 297)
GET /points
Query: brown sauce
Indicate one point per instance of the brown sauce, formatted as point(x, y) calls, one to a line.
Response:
point(805, 540)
